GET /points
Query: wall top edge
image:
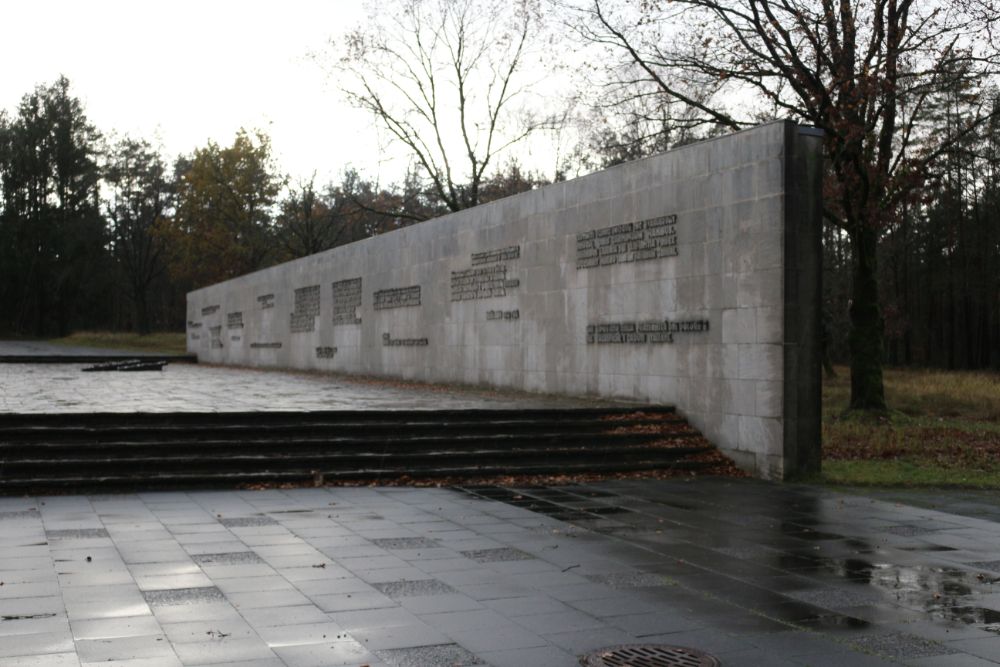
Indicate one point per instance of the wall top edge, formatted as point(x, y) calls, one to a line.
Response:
point(762, 128)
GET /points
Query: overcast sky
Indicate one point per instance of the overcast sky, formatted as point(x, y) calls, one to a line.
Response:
point(183, 72)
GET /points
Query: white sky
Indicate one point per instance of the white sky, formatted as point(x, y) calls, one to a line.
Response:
point(180, 73)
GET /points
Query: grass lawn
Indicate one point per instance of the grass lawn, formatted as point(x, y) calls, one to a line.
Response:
point(943, 430)
point(161, 343)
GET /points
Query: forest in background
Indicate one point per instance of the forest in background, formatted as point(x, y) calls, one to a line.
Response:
point(99, 231)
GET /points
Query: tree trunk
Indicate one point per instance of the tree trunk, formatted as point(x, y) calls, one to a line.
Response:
point(865, 338)
point(141, 313)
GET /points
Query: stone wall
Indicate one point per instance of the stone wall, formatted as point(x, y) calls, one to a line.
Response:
point(688, 278)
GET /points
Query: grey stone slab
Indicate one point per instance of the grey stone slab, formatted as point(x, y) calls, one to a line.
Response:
point(163, 569)
point(344, 585)
point(275, 616)
point(47, 660)
point(334, 654)
point(499, 637)
point(988, 648)
point(111, 649)
point(35, 644)
point(833, 598)
point(612, 606)
point(106, 608)
point(560, 622)
point(527, 605)
point(427, 604)
point(225, 650)
point(399, 636)
point(20, 608)
point(352, 601)
point(305, 633)
point(464, 620)
point(193, 580)
point(545, 656)
point(210, 612)
point(112, 628)
point(46, 623)
point(361, 619)
point(233, 627)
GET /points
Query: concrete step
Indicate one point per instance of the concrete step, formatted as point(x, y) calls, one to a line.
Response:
point(183, 449)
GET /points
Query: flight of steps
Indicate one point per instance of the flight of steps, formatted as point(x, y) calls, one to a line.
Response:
point(184, 450)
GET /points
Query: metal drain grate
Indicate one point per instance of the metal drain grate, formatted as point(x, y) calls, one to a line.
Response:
point(649, 655)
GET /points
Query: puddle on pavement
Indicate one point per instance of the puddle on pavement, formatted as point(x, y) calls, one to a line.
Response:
point(946, 593)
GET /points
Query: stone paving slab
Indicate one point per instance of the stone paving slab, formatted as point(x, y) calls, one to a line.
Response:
point(182, 387)
point(756, 573)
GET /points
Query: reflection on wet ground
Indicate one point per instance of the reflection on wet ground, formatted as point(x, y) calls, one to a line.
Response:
point(847, 566)
point(180, 387)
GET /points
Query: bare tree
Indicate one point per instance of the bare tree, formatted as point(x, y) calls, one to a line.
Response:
point(448, 80)
point(864, 71)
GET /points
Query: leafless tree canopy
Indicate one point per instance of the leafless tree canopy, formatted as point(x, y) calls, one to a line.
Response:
point(864, 71)
point(869, 73)
point(447, 79)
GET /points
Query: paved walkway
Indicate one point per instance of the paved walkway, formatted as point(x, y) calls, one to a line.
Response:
point(755, 573)
point(180, 387)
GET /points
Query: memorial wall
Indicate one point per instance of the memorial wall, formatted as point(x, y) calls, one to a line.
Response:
point(689, 278)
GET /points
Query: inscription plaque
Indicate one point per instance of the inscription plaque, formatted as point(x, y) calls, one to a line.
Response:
point(325, 352)
point(210, 310)
point(499, 255)
point(303, 317)
point(646, 331)
point(397, 297)
point(266, 300)
point(235, 339)
point(640, 241)
point(407, 342)
point(481, 283)
point(346, 301)
point(485, 282)
point(234, 320)
point(503, 314)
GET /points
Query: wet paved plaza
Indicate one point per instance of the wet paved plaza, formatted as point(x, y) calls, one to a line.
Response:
point(756, 573)
point(182, 387)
